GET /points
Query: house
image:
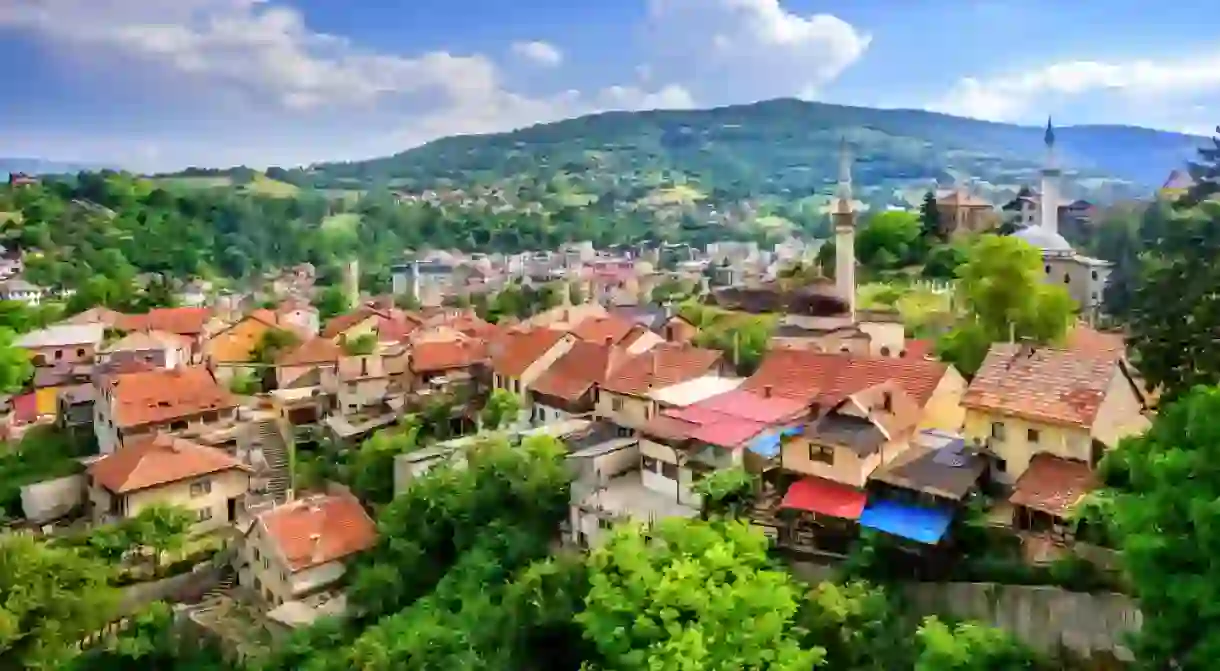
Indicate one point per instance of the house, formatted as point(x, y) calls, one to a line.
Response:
point(298, 316)
point(521, 355)
point(693, 391)
point(96, 315)
point(190, 323)
point(17, 289)
point(63, 344)
point(388, 324)
point(962, 213)
point(316, 359)
point(75, 405)
point(11, 263)
point(129, 406)
point(362, 382)
point(682, 445)
point(634, 337)
point(1028, 400)
point(566, 317)
point(623, 397)
point(671, 327)
point(824, 380)
point(446, 365)
point(163, 469)
point(228, 350)
point(304, 547)
point(608, 487)
point(160, 349)
point(569, 386)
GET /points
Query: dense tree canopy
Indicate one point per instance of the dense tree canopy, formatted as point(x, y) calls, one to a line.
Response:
point(1175, 310)
point(1002, 291)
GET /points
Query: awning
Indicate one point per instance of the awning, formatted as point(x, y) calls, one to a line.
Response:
point(824, 497)
point(920, 524)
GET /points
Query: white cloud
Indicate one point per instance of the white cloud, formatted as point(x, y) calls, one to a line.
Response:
point(1150, 91)
point(735, 50)
point(541, 53)
point(316, 96)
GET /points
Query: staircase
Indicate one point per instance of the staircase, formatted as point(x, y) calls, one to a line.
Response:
point(271, 440)
point(227, 580)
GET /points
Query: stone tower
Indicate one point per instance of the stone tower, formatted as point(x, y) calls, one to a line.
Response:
point(351, 282)
point(843, 217)
point(1049, 200)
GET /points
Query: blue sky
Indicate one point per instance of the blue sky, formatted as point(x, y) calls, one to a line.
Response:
point(161, 84)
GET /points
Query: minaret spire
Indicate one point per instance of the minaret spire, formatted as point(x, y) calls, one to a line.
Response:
point(843, 216)
point(1048, 206)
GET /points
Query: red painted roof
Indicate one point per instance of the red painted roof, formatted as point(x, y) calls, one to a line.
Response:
point(824, 497)
point(25, 408)
point(730, 419)
point(752, 406)
point(728, 433)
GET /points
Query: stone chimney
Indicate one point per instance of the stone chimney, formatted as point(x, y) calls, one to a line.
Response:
point(767, 390)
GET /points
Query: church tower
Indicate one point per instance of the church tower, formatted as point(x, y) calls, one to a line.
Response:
point(843, 217)
point(1049, 199)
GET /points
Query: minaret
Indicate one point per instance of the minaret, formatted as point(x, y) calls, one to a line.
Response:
point(351, 283)
point(843, 217)
point(1049, 199)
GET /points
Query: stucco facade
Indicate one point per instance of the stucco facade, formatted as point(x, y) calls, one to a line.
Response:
point(265, 571)
point(215, 498)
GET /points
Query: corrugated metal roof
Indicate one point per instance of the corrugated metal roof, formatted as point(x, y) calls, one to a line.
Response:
point(824, 497)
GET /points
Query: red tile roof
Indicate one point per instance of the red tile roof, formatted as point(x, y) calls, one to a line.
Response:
point(825, 497)
point(1090, 341)
point(826, 378)
point(1052, 485)
point(583, 366)
point(516, 351)
point(919, 349)
point(338, 324)
point(311, 352)
point(1043, 384)
point(317, 530)
point(165, 395)
point(729, 419)
point(664, 365)
point(158, 460)
point(610, 329)
point(182, 321)
point(436, 356)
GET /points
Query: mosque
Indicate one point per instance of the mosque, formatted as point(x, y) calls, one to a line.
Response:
point(1039, 215)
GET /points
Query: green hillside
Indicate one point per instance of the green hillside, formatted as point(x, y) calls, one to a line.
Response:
point(785, 149)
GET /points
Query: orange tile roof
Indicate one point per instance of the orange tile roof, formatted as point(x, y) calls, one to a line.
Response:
point(320, 529)
point(432, 357)
point(1044, 384)
point(337, 325)
point(1052, 485)
point(586, 364)
point(826, 378)
point(311, 352)
point(182, 321)
point(158, 460)
point(664, 365)
point(515, 351)
point(604, 329)
point(164, 395)
point(235, 342)
point(1088, 340)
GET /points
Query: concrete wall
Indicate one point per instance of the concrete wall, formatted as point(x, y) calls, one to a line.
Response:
point(1043, 617)
point(205, 576)
point(49, 500)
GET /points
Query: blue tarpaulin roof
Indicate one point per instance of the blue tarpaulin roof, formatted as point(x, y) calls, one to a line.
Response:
point(924, 525)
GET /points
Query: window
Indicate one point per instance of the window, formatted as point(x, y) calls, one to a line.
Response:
point(266, 563)
point(997, 430)
point(283, 576)
point(1048, 270)
point(648, 464)
point(822, 453)
point(179, 425)
point(81, 351)
point(201, 487)
point(1001, 465)
point(670, 471)
point(616, 404)
point(885, 351)
point(1067, 279)
point(203, 514)
point(257, 556)
point(1031, 435)
point(59, 354)
point(603, 523)
point(1094, 274)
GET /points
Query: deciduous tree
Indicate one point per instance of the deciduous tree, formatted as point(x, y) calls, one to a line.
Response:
point(676, 597)
point(501, 409)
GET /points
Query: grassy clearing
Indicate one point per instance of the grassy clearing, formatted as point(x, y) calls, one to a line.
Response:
point(920, 307)
point(675, 195)
point(194, 182)
point(265, 186)
point(347, 195)
point(341, 223)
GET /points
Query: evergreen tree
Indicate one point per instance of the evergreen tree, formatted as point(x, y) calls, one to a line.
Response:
point(929, 219)
point(1206, 173)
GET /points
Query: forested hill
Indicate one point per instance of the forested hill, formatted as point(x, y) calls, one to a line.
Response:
point(784, 148)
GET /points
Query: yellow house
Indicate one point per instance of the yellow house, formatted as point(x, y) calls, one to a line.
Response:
point(1027, 401)
point(229, 349)
point(162, 469)
point(302, 548)
point(846, 444)
point(624, 397)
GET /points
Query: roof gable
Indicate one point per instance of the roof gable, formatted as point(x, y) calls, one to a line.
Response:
point(164, 395)
point(317, 530)
point(664, 365)
point(1044, 384)
point(158, 460)
point(825, 378)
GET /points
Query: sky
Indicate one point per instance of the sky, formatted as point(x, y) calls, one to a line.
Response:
point(163, 84)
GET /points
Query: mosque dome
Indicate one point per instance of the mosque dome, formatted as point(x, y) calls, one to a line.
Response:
point(1044, 240)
